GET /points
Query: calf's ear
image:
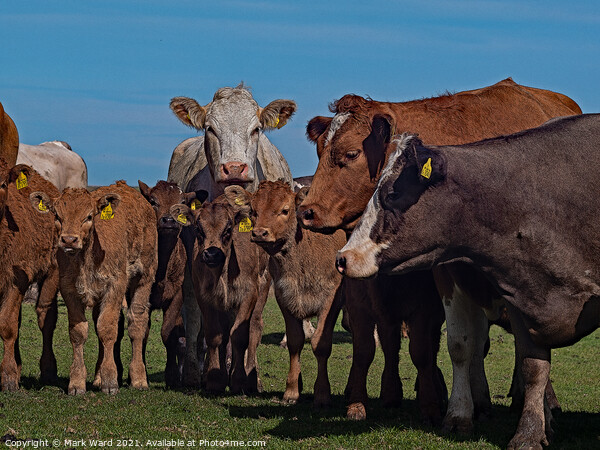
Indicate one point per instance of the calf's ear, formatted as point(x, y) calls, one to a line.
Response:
point(200, 195)
point(182, 214)
point(41, 202)
point(189, 112)
point(17, 170)
point(316, 127)
point(112, 199)
point(144, 189)
point(239, 199)
point(301, 195)
point(276, 114)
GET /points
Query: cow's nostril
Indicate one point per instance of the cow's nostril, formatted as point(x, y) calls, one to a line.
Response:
point(308, 214)
point(340, 263)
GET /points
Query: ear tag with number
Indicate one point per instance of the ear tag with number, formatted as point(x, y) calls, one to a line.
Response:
point(107, 213)
point(245, 225)
point(426, 171)
point(21, 181)
point(42, 207)
point(238, 201)
point(196, 204)
point(182, 219)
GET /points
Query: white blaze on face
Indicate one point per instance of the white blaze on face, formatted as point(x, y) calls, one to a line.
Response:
point(336, 123)
point(361, 250)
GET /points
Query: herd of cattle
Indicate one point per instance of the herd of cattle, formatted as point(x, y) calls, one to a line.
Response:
point(463, 222)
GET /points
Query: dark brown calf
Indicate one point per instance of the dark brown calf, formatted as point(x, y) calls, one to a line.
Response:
point(107, 253)
point(167, 290)
point(306, 282)
point(9, 138)
point(27, 252)
point(228, 272)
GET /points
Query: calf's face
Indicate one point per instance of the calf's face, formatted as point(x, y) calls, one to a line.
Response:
point(75, 211)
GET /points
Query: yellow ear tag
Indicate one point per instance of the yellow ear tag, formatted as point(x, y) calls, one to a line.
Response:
point(426, 171)
point(238, 201)
point(42, 207)
point(196, 204)
point(107, 213)
point(245, 225)
point(275, 122)
point(182, 219)
point(21, 181)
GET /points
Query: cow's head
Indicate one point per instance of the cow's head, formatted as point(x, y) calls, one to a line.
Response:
point(8, 176)
point(352, 150)
point(164, 195)
point(272, 210)
point(75, 211)
point(233, 123)
point(213, 228)
point(385, 236)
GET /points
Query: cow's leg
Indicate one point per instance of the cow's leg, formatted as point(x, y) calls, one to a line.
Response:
point(216, 341)
point(137, 328)
point(362, 324)
point(78, 334)
point(171, 332)
point(10, 369)
point(192, 319)
point(47, 314)
point(295, 343)
point(240, 338)
point(389, 337)
point(256, 329)
point(534, 425)
point(322, 341)
point(107, 330)
point(425, 331)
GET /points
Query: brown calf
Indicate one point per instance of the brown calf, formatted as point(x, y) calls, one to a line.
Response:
point(167, 290)
point(306, 282)
point(27, 249)
point(228, 275)
point(9, 138)
point(107, 253)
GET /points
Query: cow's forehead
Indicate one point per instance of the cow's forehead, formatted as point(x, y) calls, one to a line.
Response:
point(271, 197)
point(213, 215)
point(238, 108)
point(348, 132)
point(74, 202)
point(166, 191)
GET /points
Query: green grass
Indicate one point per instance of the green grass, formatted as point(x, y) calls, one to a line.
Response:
point(46, 412)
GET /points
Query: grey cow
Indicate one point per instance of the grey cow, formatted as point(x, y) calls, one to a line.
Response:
point(233, 150)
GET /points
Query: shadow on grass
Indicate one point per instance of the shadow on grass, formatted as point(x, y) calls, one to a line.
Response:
point(339, 337)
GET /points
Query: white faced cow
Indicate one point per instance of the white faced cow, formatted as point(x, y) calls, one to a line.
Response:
point(233, 150)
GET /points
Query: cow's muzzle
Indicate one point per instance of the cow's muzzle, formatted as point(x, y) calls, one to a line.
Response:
point(213, 257)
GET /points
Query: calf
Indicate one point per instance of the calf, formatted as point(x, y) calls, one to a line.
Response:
point(27, 252)
point(228, 273)
point(521, 209)
point(167, 290)
point(107, 253)
point(306, 282)
point(9, 138)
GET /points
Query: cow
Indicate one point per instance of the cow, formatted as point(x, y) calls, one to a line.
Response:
point(353, 148)
point(306, 283)
point(106, 253)
point(522, 210)
point(9, 138)
point(27, 248)
point(56, 162)
point(228, 274)
point(167, 290)
point(233, 150)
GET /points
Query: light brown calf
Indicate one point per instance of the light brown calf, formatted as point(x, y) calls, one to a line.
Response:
point(27, 249)
point(228, 273)
point(306, 282)
point(107, 252)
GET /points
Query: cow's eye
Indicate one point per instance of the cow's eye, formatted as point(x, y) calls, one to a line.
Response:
point(89, 218)
point(285, 211)
point(351, 155)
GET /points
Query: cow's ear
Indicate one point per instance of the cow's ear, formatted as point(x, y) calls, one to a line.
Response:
point(112, 199)
point(375, 145)
point(316, 127)
point(16, 171)
point(301, 195)
point(144, 189)
point(41, 202)
point(182, 214)
point(276, 114)
point(431, 166)
point(189, 112)
point(239, 199)
point(199, 195)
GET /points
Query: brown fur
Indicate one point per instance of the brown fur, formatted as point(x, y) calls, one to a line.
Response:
point(167, 290)
point(27, 252)
point(101, 263)
point(306, 282)
point(227, 271)
point(9, 138)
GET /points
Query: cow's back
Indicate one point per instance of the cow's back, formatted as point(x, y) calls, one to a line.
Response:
point(9, 138)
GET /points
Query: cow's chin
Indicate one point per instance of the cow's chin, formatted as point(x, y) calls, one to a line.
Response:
point(243, 182)
point(70, 251)
point(271, 247)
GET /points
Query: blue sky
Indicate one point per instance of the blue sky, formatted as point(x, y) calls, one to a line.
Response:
point(100, 74)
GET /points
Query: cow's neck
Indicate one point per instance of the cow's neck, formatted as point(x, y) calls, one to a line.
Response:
point(166, 244)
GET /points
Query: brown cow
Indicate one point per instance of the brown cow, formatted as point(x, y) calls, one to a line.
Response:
point(353, 148)
point(107, 253)
point(9, 138)
point(306, 283)
point(27, 248)
point(167, 290)
point(228, 275)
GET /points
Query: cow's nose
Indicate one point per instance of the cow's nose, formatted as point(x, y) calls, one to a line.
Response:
point(166, 221)
point(308, 214)
point(235, 169)
point(340, 263)
point(68, 239)
point(260, 233)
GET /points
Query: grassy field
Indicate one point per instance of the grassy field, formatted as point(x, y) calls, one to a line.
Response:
point(152, 418)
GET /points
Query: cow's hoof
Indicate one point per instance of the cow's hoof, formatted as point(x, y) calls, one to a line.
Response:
point(454, 424)
point(97, 383)
point(140, 384)
point(356, 411)
point(10, 386)
point(76, 390)
point(522, 442)
point(291, 398)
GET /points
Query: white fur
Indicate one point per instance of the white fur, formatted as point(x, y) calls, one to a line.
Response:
point(336, 123)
